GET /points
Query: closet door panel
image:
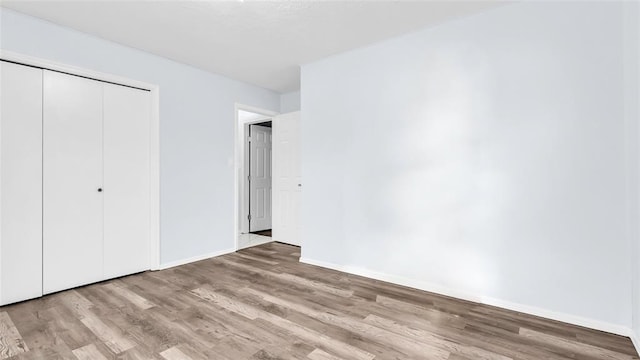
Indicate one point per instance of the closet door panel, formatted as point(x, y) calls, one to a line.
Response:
point(72, 174)
point(126, 180)
point(20, 182)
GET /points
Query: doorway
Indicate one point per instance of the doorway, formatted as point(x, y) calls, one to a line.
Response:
point(267, 177)
point(254, 179)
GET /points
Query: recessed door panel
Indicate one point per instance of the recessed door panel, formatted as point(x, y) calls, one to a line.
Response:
point(20, 182)
point(72, 179)
point(260, 183)
point(126, 180)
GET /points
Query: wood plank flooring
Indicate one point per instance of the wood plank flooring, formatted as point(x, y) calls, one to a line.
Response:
point(261, 303)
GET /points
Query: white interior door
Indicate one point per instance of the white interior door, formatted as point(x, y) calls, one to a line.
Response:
point(286, 178)
point(126, 180)
point(20, 182)
point(72, 179)
point(260, 178)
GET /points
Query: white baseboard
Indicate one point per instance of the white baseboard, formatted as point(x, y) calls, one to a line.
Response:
point(438, 289)
point(194, 259)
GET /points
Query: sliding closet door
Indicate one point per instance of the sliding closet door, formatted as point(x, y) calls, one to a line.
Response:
point(20, 182)
point(72, 174)
point(126, 180)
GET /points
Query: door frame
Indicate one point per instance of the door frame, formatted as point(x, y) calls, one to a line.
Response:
point(240, 183)
point(153, 259)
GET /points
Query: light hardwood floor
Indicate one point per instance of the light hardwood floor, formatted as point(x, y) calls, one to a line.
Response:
point(261, 303)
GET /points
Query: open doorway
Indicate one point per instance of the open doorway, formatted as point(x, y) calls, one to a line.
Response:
point(267, 177)
point(254, 176)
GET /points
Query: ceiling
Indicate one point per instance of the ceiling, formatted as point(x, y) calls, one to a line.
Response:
point(246, 116)
point(258, 42)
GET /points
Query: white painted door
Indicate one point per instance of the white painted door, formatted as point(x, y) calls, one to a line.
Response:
point(260, 178)
point(72, 182)
point(20, 182)
point(286, 178)
point(126, 180)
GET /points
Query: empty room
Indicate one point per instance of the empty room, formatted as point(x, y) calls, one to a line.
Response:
point(320, 180)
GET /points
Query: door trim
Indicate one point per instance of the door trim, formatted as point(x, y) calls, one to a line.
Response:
point(239, 163)
point(154, 134)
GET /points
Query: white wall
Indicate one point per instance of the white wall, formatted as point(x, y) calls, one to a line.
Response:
point(196, 128)
point(290, 102)
point(483, 158)
point(632, 115)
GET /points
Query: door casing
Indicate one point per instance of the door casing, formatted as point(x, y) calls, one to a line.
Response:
point(241, 209)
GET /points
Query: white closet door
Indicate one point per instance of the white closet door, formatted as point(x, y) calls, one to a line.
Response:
point(287, 171)
point(72, 166)
point(260, 181)
point(20, 182)
point(126, 180)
